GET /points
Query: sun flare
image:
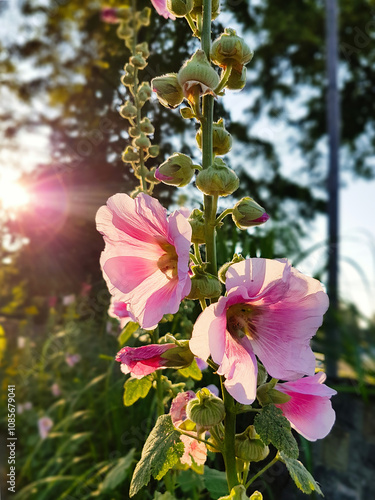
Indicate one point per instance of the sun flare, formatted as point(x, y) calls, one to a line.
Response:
point(13, 195)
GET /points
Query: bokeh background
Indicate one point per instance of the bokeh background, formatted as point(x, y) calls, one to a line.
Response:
point(60, 159)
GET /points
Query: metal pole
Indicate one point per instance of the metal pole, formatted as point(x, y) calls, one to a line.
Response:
point(333, 126)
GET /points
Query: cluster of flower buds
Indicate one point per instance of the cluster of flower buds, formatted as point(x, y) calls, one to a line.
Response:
point(206, 410)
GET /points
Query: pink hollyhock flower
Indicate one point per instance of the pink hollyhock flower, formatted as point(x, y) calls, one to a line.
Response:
point(52, 301)
point(146, 258)
point(161, 8)
point(309, 409)
point(55, 389)
point(119, 310)
point(271, 311)
point(45, 424)
point(109, 15)
point(141, 361)
point(193, 449)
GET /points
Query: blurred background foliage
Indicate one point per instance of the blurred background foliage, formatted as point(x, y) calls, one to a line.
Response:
point(60, 80)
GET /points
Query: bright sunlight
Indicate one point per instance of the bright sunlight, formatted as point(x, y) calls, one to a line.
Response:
point(12, 194)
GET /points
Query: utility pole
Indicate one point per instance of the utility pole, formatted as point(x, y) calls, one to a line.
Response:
point(333, 129)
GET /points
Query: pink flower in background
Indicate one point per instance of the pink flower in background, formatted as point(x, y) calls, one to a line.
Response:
point(21, 342)
point(55, 389)
point(52, 301)
point(141, 361)
point(161, 8)
point(109, 15)
point(45, 424)
point(202, 365)
point(68, 300)
point(271, 311)
point(194, 449)
point(309, 409)
point(146, 257)
point(119, 310)
point(85, 289)
point(72, 359)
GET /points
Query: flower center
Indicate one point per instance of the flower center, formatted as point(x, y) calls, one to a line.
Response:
point(240, 321)
point(167, 263)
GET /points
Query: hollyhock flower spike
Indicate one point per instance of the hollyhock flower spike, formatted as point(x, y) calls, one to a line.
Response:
point(271, 311)
point(146, 257)
point(309, 409)
point(194, 450)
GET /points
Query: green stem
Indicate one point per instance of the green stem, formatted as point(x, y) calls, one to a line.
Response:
point(197, 438)
point(226, 212)
point(262, 471)
point(203, 304)
point(229, 453)
point(197, 253)
point(194, 259)
point(224, 79)
point(191, 23)
point(159, 384)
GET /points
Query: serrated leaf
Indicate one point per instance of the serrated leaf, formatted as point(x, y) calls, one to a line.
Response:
point(161, 452)
point(273, 427)
point(127, 332)
point(215, 482)
point(118, 473)
point(300, 475)
point(191, 371)
point(135, 388)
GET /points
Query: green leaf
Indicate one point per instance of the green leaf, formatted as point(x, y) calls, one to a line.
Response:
point(301, 476)
point(127, 332)
point(118, 473)
point(191, 371)
point(216, 482)
point(273, 427)
point(136, 388)
point(161, 452)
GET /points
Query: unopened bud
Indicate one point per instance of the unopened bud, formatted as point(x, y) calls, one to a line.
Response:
point(134, 131)
point(217, 180)
point(248, 213)
point(144, 92)
point(145, 16)
point(138, 61)
point(150, 176)
point(222, 140)
point(168, 90)
point(128, 110)
point(236, 493)
point(249, 446)
point(177, 170)
point(198, 9)
point(129, 155)
point(196, 220)
point(153, 151)
point(224, 268)
point(179, 356)
point(124, 31)
point(206, 410)
point(204, 285)
point(230, 49)
point(179, 8)
point(143, 49)
point(237, 79)
point(142, 141)
point(146, 126)
point(187, 113)
point(197, 76)
point(267, 394)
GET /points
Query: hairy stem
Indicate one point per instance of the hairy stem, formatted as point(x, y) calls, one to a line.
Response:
point(270, 464)
point(229, 453)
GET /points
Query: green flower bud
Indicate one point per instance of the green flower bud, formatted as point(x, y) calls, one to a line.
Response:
point(128, 79)
point(129, 155)
point(222, 140)
point(128, 110)
point(237, 79)
point(197, 76)
point(224, 268)
point(153, 151)
point(217, 180)
point(187, 113)
point(124, 31)
point(196, 220)
point(144, 92)
point(143, 49)
point(145, 16)
point(198, 9)
point(138, 61)
point(204, 285)
point(150, 176)
point(134, 132)
point(168, 90)
point(249, 446)
point(248, 213)
point(257, 495)
point(206, 410)
point(142, 142)
point(177, 170)
point(146, 126)
point(129, 69)
point(236, 493)
point(266, 394)
point(230, 49)
point(179, 8)
point(124, 13)
point(178, 357)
